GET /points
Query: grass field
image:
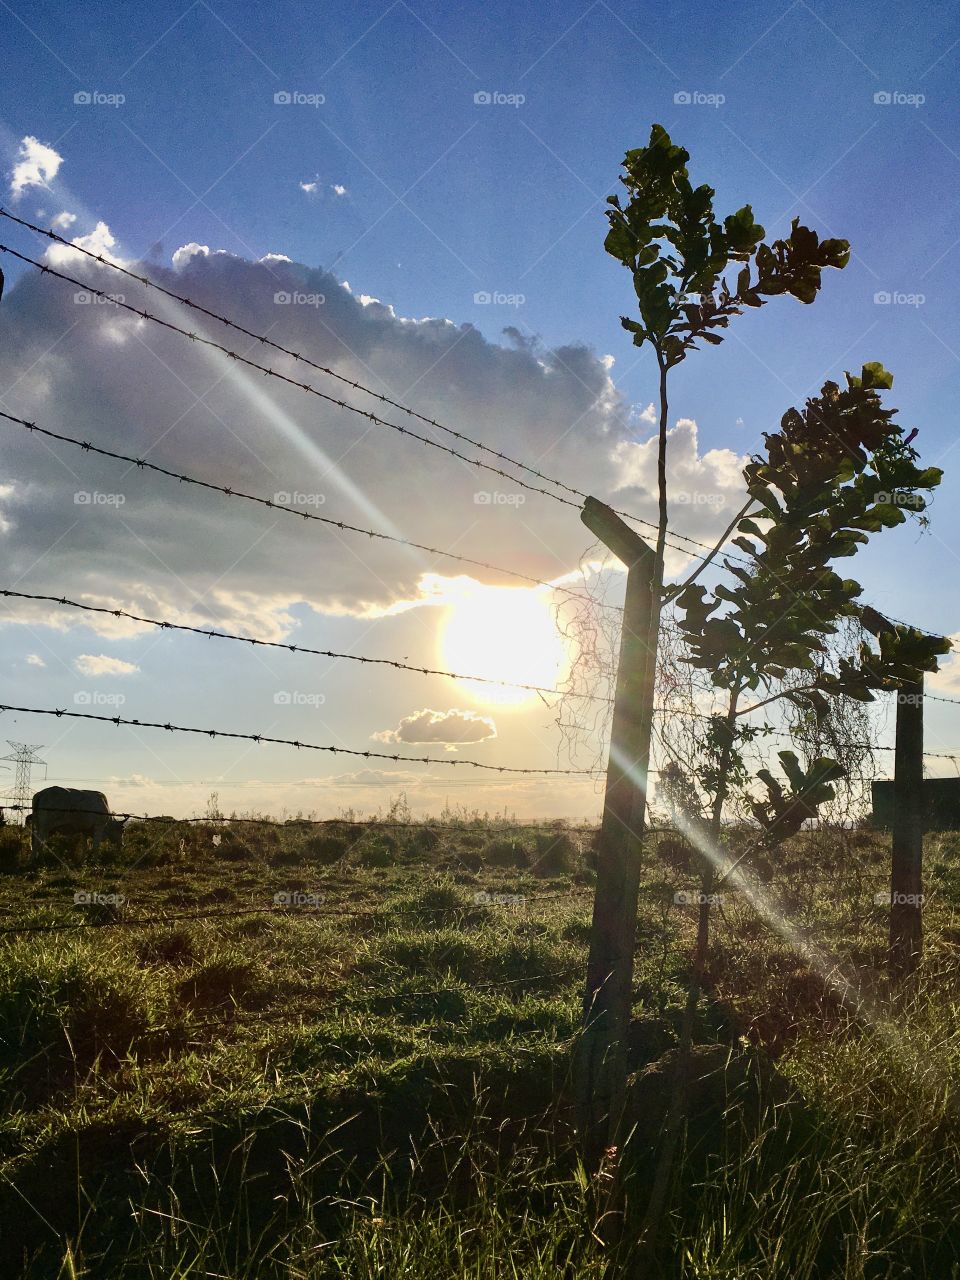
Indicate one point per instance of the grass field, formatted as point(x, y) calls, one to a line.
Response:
point(345, 1051)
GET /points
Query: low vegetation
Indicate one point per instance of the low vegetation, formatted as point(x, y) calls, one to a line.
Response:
point(297, 1052)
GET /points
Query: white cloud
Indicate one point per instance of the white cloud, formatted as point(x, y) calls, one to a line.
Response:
point(274, 257)
point(647, 415)
point(256, 434)
point(450, 727)
point(309, 187)
point(100, 664)
point(338, 190)
point(187, 252)
point(99, 241)
point(947, 679)
point(63, 221)
point(36, 166)
point(34, 660)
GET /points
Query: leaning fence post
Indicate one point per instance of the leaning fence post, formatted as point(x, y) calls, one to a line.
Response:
point(601, 1068)
point(906, 862)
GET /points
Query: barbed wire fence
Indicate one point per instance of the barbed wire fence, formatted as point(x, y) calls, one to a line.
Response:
point(587, 621)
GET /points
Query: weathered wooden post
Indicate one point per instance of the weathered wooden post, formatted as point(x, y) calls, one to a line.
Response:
point(906, 863)
point(601, 1068)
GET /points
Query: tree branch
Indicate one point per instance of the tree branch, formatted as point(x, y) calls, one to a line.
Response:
point(676, 590)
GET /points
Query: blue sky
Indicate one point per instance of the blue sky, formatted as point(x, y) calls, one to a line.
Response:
point(402, 184)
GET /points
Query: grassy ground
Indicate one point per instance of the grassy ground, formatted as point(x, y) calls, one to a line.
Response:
point(346, 1052)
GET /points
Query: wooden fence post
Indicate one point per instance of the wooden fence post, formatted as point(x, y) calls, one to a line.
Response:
point(906, 863)
point(601, 1067)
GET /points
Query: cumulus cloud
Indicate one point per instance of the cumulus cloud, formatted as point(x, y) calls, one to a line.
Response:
point(187, 252)
point(190, 408)
point(100, 240)
point(100, 664)
point(309, 187)
point(338, 190)
point(453, 727)
point(37, 165)
point(34, 660)
point(63, 221)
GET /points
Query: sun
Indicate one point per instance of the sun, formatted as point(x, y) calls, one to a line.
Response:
point(503, 633)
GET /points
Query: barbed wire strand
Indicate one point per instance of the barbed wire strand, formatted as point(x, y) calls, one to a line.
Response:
point(293, 742)
point(298, 356)
point(212, 633)
point(343, 526)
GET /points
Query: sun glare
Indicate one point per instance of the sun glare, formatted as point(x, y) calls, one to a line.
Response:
point(504, 634)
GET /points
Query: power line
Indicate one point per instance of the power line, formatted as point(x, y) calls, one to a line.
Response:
point(300, 648)
point(293, 742)
point(228, 491)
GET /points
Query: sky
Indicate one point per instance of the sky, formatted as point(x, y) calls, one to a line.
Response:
point(412, 195)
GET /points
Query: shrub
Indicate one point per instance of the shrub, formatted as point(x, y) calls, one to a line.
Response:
point(325, 848)
point(555, 853)
point(505, 853)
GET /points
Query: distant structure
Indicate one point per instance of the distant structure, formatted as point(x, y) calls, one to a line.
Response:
point(941, 804)
point(25, 756)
